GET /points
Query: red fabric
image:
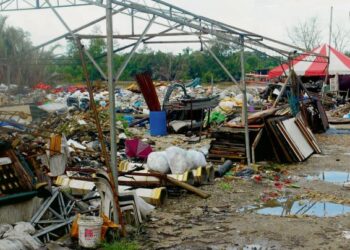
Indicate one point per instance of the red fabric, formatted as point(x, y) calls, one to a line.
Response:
point(137, 148)
point(279, 70)
point(319, 65)
point(42, 86)
point(343, 58)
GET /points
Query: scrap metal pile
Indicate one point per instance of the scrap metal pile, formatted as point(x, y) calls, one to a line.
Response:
point(57, 165)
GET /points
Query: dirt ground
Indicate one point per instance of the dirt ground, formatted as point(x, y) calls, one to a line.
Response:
point(189, 222)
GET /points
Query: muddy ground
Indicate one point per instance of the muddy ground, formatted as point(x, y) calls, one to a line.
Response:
point(189, 222)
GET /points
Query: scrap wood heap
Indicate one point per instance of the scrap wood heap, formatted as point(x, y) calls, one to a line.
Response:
point(287, 130)
point(65, 153)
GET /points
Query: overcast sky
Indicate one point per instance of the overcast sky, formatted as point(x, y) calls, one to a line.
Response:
point(266, 17)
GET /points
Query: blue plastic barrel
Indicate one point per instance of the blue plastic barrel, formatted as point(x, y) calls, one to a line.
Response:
point(157, 120)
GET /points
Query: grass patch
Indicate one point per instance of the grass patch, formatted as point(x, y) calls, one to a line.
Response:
point(121, 245)
point(225, 186)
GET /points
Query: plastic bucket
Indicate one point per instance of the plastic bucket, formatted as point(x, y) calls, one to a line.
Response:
point(157, 120)
point(90, 231)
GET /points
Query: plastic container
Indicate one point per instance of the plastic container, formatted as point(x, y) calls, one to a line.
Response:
point(90, 231)
point(157, 120)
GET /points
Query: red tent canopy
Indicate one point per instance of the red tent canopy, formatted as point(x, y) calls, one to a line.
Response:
point(311, 65)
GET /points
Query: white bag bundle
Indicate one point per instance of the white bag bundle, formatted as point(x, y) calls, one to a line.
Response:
point(196, 158)
point(177, 160)
point(157, 161)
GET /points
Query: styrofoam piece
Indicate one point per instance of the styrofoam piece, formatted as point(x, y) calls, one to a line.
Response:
point(185, 177)
point(5, 161)
point(78, 187)
point(200, 176)
point(210, 174)
point(154, 196)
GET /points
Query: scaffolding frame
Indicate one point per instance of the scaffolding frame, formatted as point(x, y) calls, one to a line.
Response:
point(176, 21)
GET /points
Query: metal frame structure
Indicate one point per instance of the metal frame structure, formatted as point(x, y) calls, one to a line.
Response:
point(174, 21)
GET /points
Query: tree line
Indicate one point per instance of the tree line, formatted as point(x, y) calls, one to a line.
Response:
point(20, 62)
point(182, 66)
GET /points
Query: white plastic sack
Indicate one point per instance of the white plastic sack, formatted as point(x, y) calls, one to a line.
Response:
point(250, 98)
point(204, 150)
point(19, 237)
point(196, 158)
point(19, 228)
point(143, 206)
point(4, 228)
point(177, 160)
point(54, 107)
point(157, 161)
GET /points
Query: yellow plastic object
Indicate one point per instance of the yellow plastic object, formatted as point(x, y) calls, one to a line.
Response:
point(158, 196)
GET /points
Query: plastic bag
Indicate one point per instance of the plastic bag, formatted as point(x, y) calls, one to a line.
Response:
point(177, 160)
point(157, 161)
point(196, 158)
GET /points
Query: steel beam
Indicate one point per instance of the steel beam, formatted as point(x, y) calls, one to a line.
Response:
point(245, 104)
point(125, 63)
point(221, 64)
point(14, 5)
point(77, 29)
point(75, 38)
point(111, 90)
point(135, 36)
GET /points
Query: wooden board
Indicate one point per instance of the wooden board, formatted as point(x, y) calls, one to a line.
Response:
point(291, 143)
point(281, 141)
point(308, 135)
point(297, 137)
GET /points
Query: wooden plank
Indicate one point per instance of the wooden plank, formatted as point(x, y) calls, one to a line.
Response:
point(279, 138)
point(270, 136)
point(308, 135)
point(290, 142)
point(255, 144)
point(323, 115)
point(298, 138)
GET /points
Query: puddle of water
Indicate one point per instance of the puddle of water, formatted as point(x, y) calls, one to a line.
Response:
point(290, 207)
point(336, 177)
point(334, 131)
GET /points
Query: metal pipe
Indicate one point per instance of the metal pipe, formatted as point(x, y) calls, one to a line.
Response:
point(87, 53)
point(329, 44)
point(111, 89)
point(245, 104)
point(77, 29)
point(146, 39)
point(173, 42)
point(74, 36)
point(221, 64)
point(127, 36)
point(125, 63)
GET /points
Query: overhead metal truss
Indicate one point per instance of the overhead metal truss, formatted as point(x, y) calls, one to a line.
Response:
point(13, 5)
point(170, 16)
point(174, 20)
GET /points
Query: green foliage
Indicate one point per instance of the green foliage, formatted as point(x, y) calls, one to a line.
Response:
point(225, 186)
point(121, 245)
point(183, 66)
point(20, 63)
point(29, 66)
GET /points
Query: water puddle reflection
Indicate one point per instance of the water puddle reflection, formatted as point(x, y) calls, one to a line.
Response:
point(336, 177)
point(290, 207)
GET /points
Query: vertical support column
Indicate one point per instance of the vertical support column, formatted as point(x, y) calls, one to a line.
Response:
point(132, 22)
point(111, 89)
point(329, 44)
point(245, 103)
point(8, 72)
